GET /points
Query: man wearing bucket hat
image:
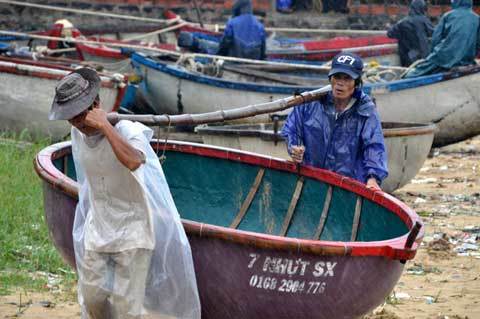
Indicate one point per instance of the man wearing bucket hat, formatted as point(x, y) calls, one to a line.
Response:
point(126, 227)
point(340, 132)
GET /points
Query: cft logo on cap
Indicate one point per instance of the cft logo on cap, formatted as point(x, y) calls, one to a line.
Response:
point(347, 63)
point(346, 59)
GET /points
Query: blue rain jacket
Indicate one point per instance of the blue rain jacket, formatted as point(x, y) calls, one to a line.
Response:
point(412, 33)
point(455, 39)
point(244, 36)
point(351, 145)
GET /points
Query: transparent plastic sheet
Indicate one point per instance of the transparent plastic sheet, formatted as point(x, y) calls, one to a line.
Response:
point(170, 289)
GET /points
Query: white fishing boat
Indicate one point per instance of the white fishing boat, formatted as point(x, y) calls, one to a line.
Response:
point(451, 100)
point(408, 145)
point(27, 92)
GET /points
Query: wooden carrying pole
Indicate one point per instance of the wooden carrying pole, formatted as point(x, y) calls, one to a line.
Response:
point(226, 115)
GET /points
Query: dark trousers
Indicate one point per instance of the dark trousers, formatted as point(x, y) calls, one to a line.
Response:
point(302, 4)
point(335, 5)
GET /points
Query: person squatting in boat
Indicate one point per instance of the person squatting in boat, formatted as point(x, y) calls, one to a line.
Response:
point(342, 131)
point(455, 41)
point(244, 35)
point(132, 255)
point(412, 33)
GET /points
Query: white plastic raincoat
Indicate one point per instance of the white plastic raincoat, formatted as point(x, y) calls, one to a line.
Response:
point(133, 257)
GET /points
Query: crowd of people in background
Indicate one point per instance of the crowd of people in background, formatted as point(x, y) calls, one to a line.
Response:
point(422, 47)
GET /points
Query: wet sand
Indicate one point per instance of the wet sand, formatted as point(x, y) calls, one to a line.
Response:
point(439, 283)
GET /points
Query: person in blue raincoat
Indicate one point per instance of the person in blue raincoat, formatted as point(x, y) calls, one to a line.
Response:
point(412, 33)
point(244, 35)
point(455, 41)
point(341, 132)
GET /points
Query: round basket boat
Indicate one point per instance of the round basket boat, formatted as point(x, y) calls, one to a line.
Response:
point(269, 239)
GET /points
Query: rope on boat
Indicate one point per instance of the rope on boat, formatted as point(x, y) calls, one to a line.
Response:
point(223, 115)
point(214, 27)
point(88, 12)
point(376, 73)
point(412, 66)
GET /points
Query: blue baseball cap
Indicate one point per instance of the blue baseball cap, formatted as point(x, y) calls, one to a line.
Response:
point(348, 63)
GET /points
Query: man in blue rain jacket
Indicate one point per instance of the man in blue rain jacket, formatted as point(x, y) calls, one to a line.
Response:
point(455, 41)
point(244, 35)
point(412, 33)
point(341, 132)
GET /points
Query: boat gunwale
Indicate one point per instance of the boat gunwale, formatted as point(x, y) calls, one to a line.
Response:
point(101, 50)
point(269, 135)
point(369, 88)
point(104, 51)
point(392, 248)
point(41, 70)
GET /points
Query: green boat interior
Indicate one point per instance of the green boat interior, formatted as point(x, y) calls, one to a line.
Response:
point(257, 199)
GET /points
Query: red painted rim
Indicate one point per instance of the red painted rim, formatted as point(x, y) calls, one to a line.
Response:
point(392, 248)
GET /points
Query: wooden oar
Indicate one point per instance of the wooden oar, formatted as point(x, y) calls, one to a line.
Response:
point(226, 115)
point(197, 10)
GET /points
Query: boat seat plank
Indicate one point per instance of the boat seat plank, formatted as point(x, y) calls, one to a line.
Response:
point(323, 216)
point(356, 218)
point(292, 206)
point(248, 200)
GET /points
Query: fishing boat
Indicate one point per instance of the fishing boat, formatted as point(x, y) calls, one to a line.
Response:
point(408, 145)
point(269, 239)
point(449, 99)
point(385, 54)
point(27, 92)
point(372, 47)
point(115, 59)
point(325, 50)
point(375, 47)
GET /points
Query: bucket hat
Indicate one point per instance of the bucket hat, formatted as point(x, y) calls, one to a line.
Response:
point(74, 94)
point(348, 63)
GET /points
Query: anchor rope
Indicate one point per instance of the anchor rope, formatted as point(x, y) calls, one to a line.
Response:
point(162, 158)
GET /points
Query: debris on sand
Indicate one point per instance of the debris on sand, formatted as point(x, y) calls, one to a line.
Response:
point(420, 269)
point(440, 243)
point(381, 313)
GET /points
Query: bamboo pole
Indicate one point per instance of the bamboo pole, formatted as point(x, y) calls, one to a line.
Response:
point(224, 115)
point(214, 27)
